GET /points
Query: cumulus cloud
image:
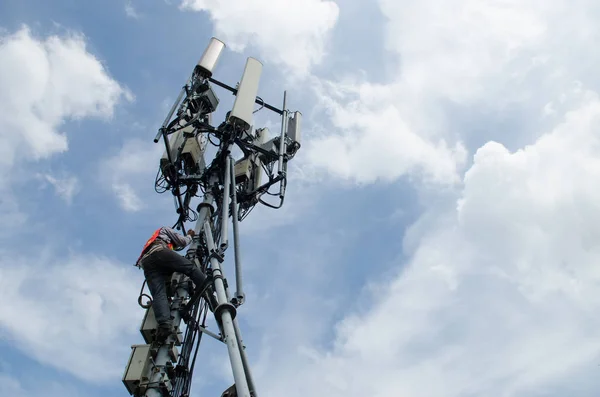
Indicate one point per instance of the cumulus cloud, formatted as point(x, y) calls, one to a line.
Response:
point(79, 309)
point(287, 32)
point(500, 294)
point(373, 141)
point(43, 83)
point(479, 61)
point(546, 202)
point(465, 45)
point(68, 308)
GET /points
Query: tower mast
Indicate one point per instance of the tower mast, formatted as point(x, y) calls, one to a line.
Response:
point(230, 189)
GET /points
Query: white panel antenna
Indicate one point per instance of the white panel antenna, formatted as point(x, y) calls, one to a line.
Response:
point(243, 107)
point(211, 55)
point(261, 137)
point(294, 127)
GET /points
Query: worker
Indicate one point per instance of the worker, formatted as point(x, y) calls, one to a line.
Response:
point(159, 262)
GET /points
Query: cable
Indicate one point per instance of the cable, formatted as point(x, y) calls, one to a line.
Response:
point(210, 140)
point(160, 182)
point(262, 105)
point(271, 205)
point(267, 170)
point(194, 217)
point(149, 303)
point(193, 336)
point(184, 375)
point(191, 371)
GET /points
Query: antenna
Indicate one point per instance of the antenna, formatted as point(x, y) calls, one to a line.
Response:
point(243, 107)
point(210, 57)
point(230, 189)
point(294, 127)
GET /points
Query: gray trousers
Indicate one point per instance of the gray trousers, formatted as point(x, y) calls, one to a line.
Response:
point(158, 269)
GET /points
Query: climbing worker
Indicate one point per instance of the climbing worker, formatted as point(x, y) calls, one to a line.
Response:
point(159, 262)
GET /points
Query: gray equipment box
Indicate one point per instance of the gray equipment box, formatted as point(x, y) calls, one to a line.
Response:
point(136, 372)
point(148, 327)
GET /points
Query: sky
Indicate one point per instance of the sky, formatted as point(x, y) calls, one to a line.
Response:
point(441, 230)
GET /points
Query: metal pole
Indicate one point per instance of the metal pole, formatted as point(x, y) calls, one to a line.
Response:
point(245, 362)
point(203, 215)
point(160, 131)
point(225, 202)
point(237, 365)
point(234, 92)
point(239, 293)
point(284, 117)
point(238, 335)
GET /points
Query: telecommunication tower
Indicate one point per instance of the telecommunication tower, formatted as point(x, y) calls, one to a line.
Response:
point(228, 188)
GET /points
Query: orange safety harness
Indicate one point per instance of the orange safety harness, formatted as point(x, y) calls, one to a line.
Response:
point(150, 241)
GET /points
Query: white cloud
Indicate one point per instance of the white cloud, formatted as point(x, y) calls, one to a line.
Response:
point(373, 141)
point(464, 45)
point(73, 308)
point(66, 187)
point(544, 199)
point(129, 199)
point(130, 10)
point(287, 32)
point(79, 309)
point(43, 83)
point(501, 292)
point(131, 169)
point(478, 57)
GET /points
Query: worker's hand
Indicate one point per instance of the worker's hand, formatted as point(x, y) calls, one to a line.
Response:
point(191, 232)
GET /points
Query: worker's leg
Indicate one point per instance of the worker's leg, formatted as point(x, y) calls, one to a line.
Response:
point(156, 277)
point(172, 261)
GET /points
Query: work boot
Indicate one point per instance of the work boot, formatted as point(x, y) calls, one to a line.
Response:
point(163, 331)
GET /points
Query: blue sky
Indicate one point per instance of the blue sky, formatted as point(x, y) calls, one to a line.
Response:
point(440, 232)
